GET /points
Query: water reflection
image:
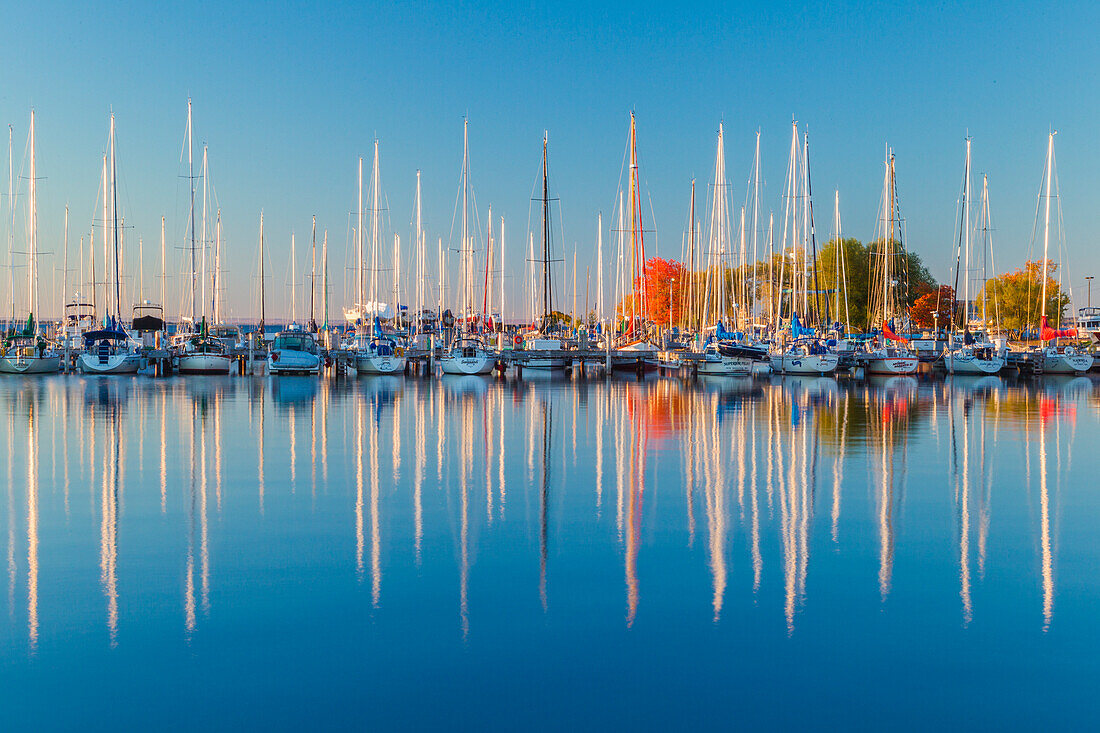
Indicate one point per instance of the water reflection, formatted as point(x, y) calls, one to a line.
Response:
point(755, 478)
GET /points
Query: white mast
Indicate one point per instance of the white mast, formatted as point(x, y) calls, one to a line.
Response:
point(359, 243)
point(966, 237)
point(467, 275)
point(32, 236)
point(313, 273)
point(419, 262)
point(755, 209)
point(205, 192)
point(599, 267)
point(215, 308)
point(374, 237)
point(11, 228)
point(502, 274)
point(1046, 222)
point(324, 280)
point(65, 263)
point(191, 185)
point(106, 204)
point(396, 275)
point(163, 274)
point(293, 285)
point(114, 221)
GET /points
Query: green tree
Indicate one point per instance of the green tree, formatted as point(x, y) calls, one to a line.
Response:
point(1013, 300)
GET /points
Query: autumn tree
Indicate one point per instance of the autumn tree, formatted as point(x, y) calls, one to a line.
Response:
point(934, 309)
point(1014, 299)
point(662, 286)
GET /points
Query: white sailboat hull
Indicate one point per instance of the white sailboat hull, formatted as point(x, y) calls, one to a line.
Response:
point(30, 364)
point(109, 364)
point(480, 364)
point(204, 364)
point(727, 366)
point(380, 364)
point(1067, 363)
point(958, 362)
point(892, 365)
point(293, 362)
point(804, 363)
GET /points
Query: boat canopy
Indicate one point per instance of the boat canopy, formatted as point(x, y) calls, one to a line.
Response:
point(105, 334)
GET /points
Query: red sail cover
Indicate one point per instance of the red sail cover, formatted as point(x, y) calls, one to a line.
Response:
point(889, 333)
point(1047, 333)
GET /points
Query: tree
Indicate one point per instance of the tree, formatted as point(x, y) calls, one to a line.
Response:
point(934, 309)
point(664, 280)
point(1013, 300)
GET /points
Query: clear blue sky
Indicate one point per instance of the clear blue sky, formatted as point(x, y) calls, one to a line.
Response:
point(287, 95)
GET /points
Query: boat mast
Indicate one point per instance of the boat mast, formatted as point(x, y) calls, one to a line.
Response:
point(599, 267)
point(293, 284)
point(205, 197)
point(690, 322)
point(65, 263)
point(755, 213)
point(374, 237)
point(359, 242)
point(547, 281)
point(162, 264)
point(191, 184)
point(32, 237)
point(263, 289)
point(324, 280)
point(215, 307)
point(313, 274)
point(1046, 225)
point(966, 238)
point(467, 274)
point(502, 274)
point(487, 286)
point(114, 219)
point(419, 261)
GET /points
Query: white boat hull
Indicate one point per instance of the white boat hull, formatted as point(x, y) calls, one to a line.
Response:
point(957, 363)
point(1067, 363)
point(804, 363)
point(892, 365)
point(293, 362)
point(380, 364)
point(30, 364)
point(727, 366)
point(482, 364)
point(204, 364)
point(112, 364)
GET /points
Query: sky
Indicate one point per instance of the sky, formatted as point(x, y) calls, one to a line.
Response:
point(287, 96)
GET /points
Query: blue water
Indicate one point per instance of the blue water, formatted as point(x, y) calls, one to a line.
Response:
point(475, 554)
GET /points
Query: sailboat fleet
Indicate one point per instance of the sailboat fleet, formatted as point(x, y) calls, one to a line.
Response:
point(747, 297)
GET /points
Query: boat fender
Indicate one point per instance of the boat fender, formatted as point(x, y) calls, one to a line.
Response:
point(274, 356)
point(399, 351)
point(1069, 351)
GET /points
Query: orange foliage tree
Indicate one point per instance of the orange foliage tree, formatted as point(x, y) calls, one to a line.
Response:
point(934, 309)
point(662, 284)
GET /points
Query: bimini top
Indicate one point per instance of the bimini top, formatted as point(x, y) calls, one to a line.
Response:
point(106, 334)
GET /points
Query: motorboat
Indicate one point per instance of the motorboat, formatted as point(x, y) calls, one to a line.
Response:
point(294, 351)
point(467, 356)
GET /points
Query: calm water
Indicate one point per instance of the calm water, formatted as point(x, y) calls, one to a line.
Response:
point(404, 554)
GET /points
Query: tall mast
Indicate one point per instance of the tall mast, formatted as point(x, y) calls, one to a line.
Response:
point(809, 214)
point(191, 185)
point(755, 210)
point(324, 280)
point(359, 241)
point(467, 300)
point(547, 281)
point(1046, 222)
point(419, 261)
point(11, 228)
point(32, 236)
point(313, 272)
point(205, 197)
point(65, 263)
point(162, 263)
point(106, 220)
point(374, 236)
point(691, 258)
point(486, 303)
point(502, 274)
point(966, 238)
point(263, 290)
point(293, 284)
point(114, 220)
point(599, 267)
point(215, 306)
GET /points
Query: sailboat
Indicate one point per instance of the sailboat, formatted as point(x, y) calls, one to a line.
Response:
point(889, 284)
point(26, 351)
point(375, 351)
point(544, 342)
point(635, 350)
point(976, 355)
point(107, 350)
point(723, 354)
point(1056, 359)
point(197, 351)
point(804, 352)
point(467, 354)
